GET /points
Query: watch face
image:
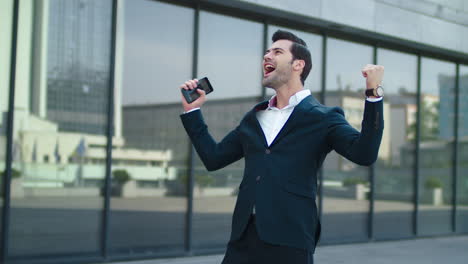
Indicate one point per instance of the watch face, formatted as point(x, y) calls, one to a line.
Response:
point(379, 91)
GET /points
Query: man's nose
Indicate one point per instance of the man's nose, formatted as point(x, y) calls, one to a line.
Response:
point(267, 56)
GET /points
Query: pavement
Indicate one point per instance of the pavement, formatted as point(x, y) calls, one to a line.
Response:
point(446, 250)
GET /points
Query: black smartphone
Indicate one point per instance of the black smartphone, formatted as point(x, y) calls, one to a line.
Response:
point(192, 95)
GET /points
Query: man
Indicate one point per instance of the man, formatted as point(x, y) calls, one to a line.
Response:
point(284, 142)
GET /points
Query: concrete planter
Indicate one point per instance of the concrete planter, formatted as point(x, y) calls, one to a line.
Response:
point(127, 190)
point(360, 191)
point(433, 196)
point(436, 195)
point(17, 190)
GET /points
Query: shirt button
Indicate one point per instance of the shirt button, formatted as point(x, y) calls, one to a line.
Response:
point(258, 178)
point(267, 151)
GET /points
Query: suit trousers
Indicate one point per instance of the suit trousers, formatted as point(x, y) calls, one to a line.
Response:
point(249, 249)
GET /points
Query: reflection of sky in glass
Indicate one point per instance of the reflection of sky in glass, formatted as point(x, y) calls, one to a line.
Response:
point(463, 106)
point(314, 43)
point(344, 63)
point(437, 89)
point(230, 55)
point(157, 51)
point(463, 70)
point(431, 71)
point(401, 70)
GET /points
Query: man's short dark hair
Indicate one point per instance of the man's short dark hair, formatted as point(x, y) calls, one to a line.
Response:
point(298, 49)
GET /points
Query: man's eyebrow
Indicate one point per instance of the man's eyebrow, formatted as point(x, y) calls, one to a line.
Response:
point(273, 49)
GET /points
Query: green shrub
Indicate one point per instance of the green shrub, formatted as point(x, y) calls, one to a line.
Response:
point(204, 180)
point(353, 181)
point(120, 176)
point(14, 173)
point(200, 180)
point(433, 183)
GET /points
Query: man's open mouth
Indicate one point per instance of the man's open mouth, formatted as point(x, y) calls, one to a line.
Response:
point(268, 68)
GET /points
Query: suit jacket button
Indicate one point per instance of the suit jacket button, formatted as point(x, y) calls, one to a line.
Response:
point(258, 178)
point(267, 151)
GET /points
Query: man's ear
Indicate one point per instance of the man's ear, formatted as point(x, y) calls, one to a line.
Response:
point(298, 65)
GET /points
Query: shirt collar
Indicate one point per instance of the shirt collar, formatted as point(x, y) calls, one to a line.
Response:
point(294, 100)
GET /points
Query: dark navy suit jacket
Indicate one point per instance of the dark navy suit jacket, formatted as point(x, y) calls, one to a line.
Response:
point(281, 179)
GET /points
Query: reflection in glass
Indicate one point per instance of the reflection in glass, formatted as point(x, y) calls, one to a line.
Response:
point(230, 52)
point(462, 170)
point(394, 169)
point(149, 159)
point(437, 114)
point(314, 43)
point(230, 55)
point(346, 185)
point(156, 49)
point(6, 13)
point(59, 143)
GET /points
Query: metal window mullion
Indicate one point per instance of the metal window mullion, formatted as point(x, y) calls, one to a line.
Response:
point(191, 161)
point(322, 100)
point(372, 180)
point(9, 137)
point(455, 151)
point(265, 47)
point(110, 134)
point(416, 150)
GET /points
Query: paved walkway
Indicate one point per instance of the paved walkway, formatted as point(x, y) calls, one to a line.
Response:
point(444, 250)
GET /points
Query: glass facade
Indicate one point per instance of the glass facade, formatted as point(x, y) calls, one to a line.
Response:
point(436, 126)
point(77, 65)
point(62, 84)
point(6, 12)
point(394, 180)
point(345, 184)
point(150, 158)
point(462, 150)
point(69, 72)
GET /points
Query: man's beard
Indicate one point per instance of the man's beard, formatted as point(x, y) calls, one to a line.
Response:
point(276, 81)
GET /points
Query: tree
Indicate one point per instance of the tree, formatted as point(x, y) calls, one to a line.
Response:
point(429, 128)
point(14, 173)
point(120, 176)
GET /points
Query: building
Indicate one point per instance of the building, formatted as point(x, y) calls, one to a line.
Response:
point(99, 168)
point(78, 64)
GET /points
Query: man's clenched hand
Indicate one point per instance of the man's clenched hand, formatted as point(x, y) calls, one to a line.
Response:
point(373, 74)
point(188, 85)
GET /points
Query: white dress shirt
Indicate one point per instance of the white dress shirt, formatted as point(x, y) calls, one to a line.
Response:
point(272, 119)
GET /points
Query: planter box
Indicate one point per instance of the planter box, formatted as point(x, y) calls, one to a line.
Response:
point(17, 190)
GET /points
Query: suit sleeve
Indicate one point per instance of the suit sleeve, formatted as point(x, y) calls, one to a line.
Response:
point(213, 155)
point(359, 147)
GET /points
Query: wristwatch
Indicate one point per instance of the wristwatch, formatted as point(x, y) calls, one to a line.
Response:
point(376, 92)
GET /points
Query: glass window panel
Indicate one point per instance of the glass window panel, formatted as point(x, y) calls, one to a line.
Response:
point(462, 173)
point(162, 51)
point(308, 8)
point(436, 147)
point(6, 13)
point(237, 43)
point(230, 55)
point(314, 43)
point(61, 103)
point(149, 196)
point(346, 185)
point(394, 188)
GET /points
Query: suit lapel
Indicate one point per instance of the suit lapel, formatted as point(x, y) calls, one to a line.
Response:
point(295, 117)
point(300, 109)
point(253, 121)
